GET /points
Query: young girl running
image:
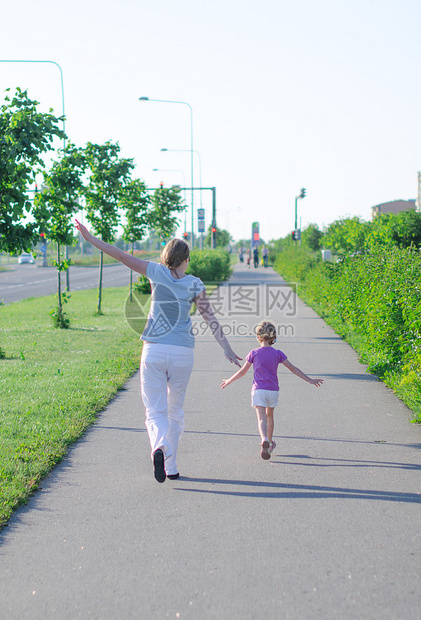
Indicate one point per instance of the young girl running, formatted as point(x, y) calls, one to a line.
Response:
point(265, 388)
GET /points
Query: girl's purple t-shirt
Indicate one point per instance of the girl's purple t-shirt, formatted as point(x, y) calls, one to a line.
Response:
point(265, 362)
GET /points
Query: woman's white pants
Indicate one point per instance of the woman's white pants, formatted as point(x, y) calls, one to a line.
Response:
point(165, 371)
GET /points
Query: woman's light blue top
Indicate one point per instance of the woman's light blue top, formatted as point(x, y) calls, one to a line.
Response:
point(169, 315)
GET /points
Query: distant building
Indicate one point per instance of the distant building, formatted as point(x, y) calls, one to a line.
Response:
point(396, 206)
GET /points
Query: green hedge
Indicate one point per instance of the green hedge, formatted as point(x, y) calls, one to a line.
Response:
point(374, 301)
point(211, 266)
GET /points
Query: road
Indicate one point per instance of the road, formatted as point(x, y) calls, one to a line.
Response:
point(328, 529)
point(24, 281)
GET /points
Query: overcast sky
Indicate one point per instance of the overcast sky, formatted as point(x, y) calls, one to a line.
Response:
point(285, 94)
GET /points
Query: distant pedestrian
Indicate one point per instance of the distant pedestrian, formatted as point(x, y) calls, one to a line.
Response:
point(265, 388)
point(256, 256)
point(168, 350)
point(248, 254)
point(265, 256)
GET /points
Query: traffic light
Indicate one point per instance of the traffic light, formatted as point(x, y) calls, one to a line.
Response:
point(185, 235)
point(296, 235)
point(303, 192)
point(213, 245)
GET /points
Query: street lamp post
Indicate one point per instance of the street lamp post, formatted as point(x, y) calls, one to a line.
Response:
point(200, 164)
point(191, 152)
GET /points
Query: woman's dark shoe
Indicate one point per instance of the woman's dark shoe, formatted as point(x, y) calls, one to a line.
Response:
point(158, 464)
point(173, 476)
point(264, 450)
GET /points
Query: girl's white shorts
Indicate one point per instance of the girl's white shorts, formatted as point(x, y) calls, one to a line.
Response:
point(264, 398)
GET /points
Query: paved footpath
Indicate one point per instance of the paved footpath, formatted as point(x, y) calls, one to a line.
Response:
point(329, 528)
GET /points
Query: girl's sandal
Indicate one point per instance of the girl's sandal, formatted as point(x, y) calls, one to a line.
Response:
point(272, 446)
point(264, 450)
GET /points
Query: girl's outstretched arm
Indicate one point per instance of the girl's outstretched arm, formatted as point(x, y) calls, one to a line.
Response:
point(240, 373)
point(299, 373)
point(136, 264)
point(204, 306)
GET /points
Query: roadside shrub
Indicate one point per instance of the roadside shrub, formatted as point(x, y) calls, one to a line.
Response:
point(374, 301)
point(346, 236)
point(309, 272)
point(210, 265)
point(142, 285)
point(400, 229)
point(353, 235)
point(58, 316)
point(2, 352)
point(312, 237)
point(272, 255)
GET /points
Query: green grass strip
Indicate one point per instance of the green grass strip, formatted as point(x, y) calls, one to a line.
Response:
point(53, 382)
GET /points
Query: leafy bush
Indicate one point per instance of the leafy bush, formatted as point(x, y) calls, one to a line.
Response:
point(373, 300)
point(210, 265)
point(2, 352)
point(223, 238)
point(401, 229)
point(352, 235)
point(346, 236)
point(312, 237)
point(58, 316)
point(142, 285)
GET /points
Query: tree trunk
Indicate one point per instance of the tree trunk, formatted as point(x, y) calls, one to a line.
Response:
point(131, 277)
point(67, 271)
point(101, 262)
point(60, 306)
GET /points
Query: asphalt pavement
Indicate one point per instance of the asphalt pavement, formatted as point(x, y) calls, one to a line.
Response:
point(25, 281)
point(329, 528)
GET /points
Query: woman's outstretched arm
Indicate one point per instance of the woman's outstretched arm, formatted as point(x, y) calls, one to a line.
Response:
point(204, 306)
point(136, 264)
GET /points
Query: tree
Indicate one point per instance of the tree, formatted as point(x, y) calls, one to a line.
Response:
point(311, 237)
point(108, 174)
point(406, 229)
point(244, 243)
point(279, 245)
point(25, 134)
point(165, 203)
point(135, 201)
point(401, 229)
point(53, 208)
point(346, 236)
point(2, 352)
point(223, 238)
